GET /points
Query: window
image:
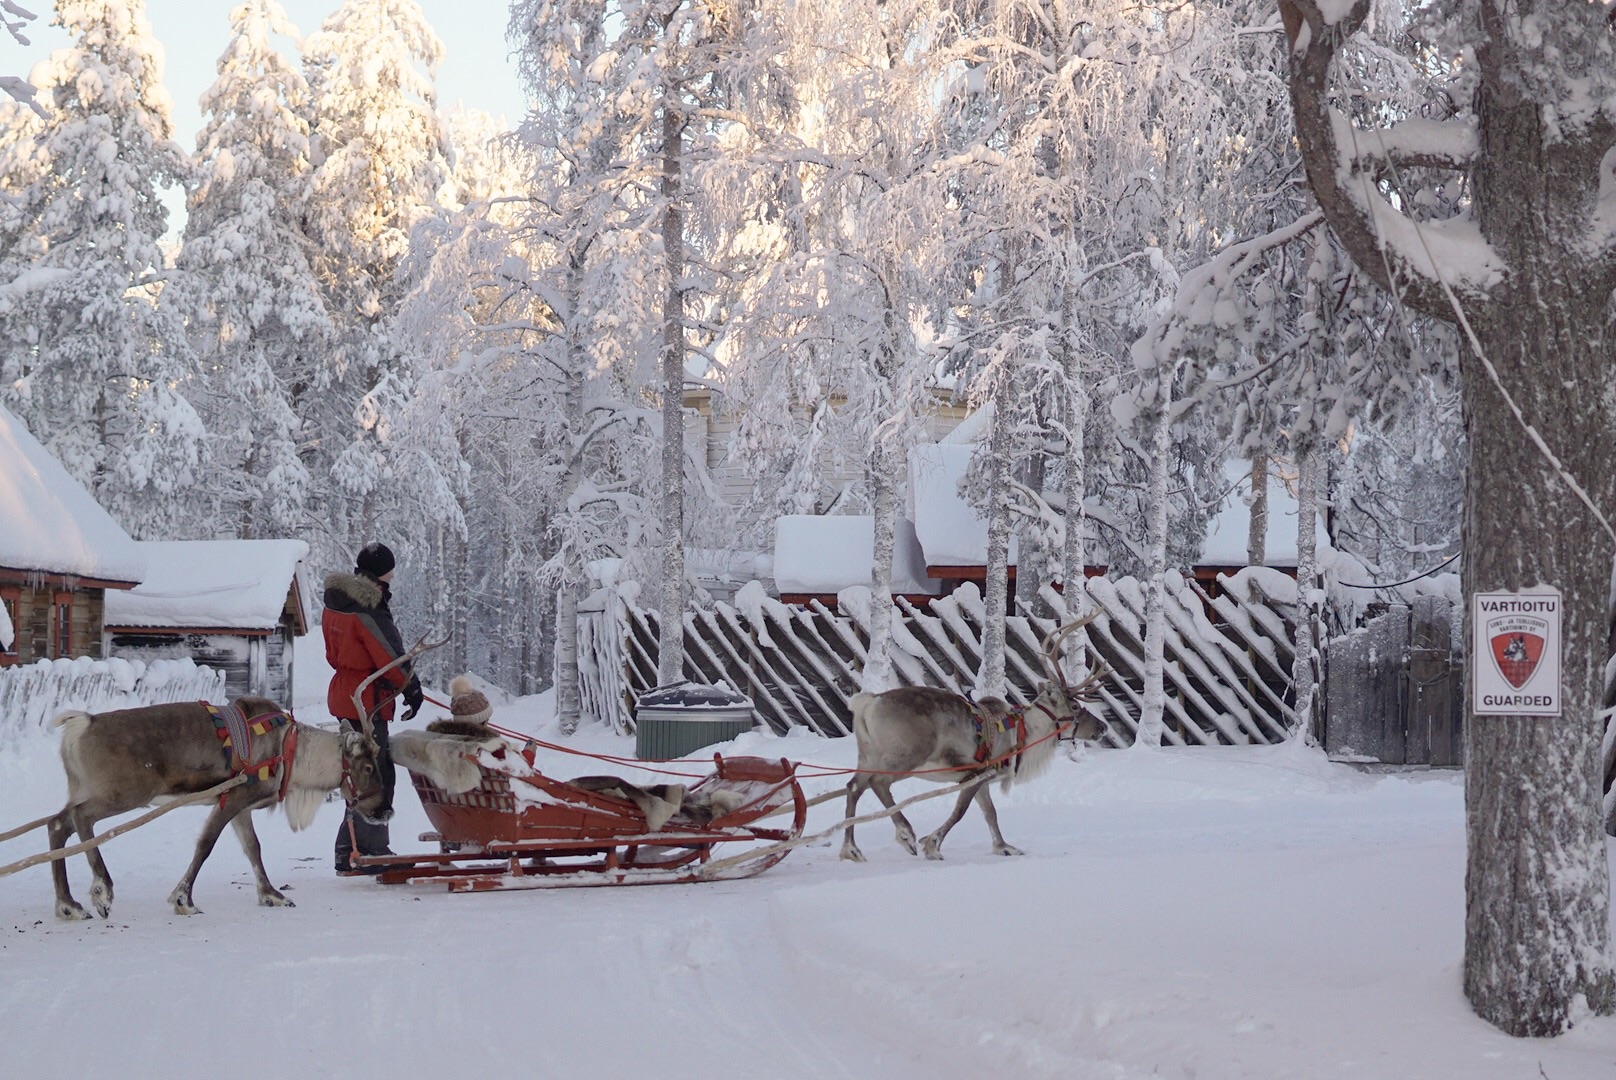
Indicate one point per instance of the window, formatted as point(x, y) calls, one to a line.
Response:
point(63, 638)
point(11, 600)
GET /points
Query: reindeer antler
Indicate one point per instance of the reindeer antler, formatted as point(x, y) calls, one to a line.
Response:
point(1056, 637)
point(415, 650)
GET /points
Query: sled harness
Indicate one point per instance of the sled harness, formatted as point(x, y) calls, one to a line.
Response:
point(236, 731)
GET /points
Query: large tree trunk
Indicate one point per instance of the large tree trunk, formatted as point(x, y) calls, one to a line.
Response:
point(1537, 883)
point(671, 633)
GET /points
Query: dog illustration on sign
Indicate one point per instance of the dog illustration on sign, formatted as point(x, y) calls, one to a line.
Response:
point(1517, 653)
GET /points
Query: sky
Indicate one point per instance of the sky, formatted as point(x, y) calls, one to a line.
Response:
point(476, 72)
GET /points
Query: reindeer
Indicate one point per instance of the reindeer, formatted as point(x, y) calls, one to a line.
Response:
point(117, 761)
point(944, 737)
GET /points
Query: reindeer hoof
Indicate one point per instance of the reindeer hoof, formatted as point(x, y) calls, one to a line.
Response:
point(933, 849)
point(274, 899)
point(908, 843)
point(851, 853)
point(1007, 849)
point(70, 911)
point(181, 899)
point(101, 898)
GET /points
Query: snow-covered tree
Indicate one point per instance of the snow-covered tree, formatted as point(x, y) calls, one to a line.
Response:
point(16, 19)
point(88, 360)
point(245, 290)
point(379, 157)
point(1525, 263)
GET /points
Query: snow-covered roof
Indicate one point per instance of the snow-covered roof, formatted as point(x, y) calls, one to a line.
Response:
point(218, 584)
point(824, 554)
point(49, 522)
point(1226, 532)
point(950, 530)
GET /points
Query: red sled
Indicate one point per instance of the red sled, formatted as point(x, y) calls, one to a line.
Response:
point(520, 829)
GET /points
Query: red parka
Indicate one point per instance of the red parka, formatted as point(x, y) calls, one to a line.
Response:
point(360, 639)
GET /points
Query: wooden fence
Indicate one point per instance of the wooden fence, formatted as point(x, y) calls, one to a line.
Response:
point(1227, 670)
point(32, 694)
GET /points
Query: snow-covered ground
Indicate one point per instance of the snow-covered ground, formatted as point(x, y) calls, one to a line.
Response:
point(1180, 913)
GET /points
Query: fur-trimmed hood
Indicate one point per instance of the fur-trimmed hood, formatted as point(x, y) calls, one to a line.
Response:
point(352, 592)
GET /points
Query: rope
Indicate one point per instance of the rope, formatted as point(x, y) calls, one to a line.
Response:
point(819, 772)
point(97, 841)
point(711, 868)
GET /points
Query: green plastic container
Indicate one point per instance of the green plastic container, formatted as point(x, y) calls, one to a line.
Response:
point(673, 721)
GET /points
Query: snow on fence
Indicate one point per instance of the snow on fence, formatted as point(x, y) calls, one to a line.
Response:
point(1228, 657)
point(31, 694)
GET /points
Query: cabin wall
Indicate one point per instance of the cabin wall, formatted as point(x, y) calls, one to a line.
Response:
point(256, 664)
point(37, 614)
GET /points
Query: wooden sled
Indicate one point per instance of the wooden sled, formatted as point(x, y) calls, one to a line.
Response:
point(520, 829)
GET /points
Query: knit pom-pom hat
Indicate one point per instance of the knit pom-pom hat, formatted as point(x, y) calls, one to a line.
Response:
point(467, 703)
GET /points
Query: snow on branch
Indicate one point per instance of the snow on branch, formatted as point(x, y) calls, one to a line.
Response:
point(1201, 301)
point(1410, 258)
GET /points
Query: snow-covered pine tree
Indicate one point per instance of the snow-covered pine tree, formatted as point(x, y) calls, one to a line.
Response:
point(245, 290)
point(379, 156)
point(89, 362)
point(1525, 264)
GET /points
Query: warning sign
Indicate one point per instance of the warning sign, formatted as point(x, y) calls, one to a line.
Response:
point(1516, 654)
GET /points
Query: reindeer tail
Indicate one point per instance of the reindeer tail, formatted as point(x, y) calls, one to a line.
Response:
point(860, 704)
point(74, 724)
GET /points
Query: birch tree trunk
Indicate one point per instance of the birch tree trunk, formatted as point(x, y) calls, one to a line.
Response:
point(569, 694)
point(884, 506)
point(1257, 524)
point(671, 629)
point(990, 679)
point(1155, 699)
point(1074, 549)
point(1307, 598)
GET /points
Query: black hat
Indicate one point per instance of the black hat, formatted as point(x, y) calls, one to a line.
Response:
point(375, 559)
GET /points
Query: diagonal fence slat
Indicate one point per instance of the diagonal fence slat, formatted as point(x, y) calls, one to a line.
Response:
point(1224, 668)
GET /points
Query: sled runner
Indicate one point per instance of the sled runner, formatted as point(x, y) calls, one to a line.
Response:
point(500, 823)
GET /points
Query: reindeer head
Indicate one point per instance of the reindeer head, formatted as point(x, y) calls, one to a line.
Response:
point(1068, 701)
point(362, 786)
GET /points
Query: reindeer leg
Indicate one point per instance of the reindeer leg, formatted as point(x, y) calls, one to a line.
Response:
point(234, 803)
point(58, 829)
point(268, 895)
point(900, 824)
point(855, 788)
point(85, 815)
point(984, 799)
point(933, 844)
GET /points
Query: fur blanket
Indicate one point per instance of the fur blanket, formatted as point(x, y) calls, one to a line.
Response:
point(445, 759)
point(662, 802)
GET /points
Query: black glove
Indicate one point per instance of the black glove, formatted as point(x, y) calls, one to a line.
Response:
point(413, 697)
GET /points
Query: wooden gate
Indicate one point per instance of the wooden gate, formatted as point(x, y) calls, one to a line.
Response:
point(1394, 688)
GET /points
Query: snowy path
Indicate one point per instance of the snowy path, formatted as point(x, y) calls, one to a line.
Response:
point(1235, 913)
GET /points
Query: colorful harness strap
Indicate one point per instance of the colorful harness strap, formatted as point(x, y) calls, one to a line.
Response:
point(989, 728)
point(236, 731)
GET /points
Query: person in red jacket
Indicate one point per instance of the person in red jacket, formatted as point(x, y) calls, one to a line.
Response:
point(361, 639)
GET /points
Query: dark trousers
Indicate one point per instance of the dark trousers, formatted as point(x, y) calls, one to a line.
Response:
point(372, 837)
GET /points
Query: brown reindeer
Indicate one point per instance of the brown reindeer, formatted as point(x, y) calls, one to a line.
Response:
point(117, 761)
point(944, 737)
